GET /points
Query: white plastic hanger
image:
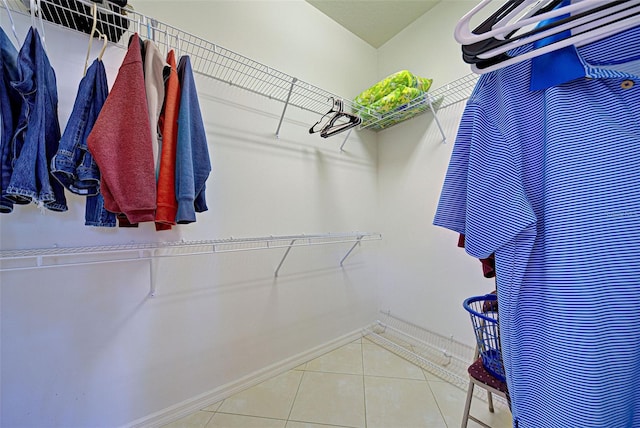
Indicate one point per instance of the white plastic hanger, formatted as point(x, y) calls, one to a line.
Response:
point(33, 5)
point(590, 22)
point(13, 25)
point(581, 39)
point(94, 30)
point(168, 40)
point(178, 47)
point(464, 35)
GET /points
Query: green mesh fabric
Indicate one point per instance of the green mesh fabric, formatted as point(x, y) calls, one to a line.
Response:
point(393, 93)
point(399, 80)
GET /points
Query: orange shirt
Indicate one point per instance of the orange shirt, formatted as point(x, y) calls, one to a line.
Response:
point(167, 204)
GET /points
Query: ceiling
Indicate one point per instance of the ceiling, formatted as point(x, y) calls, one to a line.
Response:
point(374, 21)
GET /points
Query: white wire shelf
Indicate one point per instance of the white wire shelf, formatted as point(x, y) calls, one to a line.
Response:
point(38, 258)
point(455, 91)
point(207, 59)
point(224, 65)
point(415, 107)
point(68, 256)
point(445, 96)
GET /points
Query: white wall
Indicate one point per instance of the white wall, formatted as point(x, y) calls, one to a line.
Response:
point(424, 276)
point(85, 346)
point(289, 35)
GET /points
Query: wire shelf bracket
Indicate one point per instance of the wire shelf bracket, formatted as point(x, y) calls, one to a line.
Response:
point(286, 103)
point(355, 244)
point(286, 253)
point(435, 117)
point(358, 239)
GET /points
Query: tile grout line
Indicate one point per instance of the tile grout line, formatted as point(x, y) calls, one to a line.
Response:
point(253, 416)
point(317, 423)
point(435, 399)
point(424, 379)
point(214, 412)
point(364, 388)
point(208, 420)
point(304, 371)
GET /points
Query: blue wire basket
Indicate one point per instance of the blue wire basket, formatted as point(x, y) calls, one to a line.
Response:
point(484, 317)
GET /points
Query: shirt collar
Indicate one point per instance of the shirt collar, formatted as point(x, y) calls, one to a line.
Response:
point(566, 64)
point(558, 66)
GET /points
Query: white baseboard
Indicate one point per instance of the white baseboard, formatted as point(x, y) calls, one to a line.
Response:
point(191, 405)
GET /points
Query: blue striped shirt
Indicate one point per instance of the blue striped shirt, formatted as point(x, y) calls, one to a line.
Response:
point(549, 180)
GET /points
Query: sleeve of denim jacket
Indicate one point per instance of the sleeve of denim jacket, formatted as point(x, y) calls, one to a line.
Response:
point(10, 106)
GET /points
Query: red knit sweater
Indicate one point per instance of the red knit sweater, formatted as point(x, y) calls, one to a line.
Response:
point(167, 204)
point(120, 142)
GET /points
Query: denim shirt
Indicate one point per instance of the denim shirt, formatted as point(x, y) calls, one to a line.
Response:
point(73, 165)
point(10, 103)
point(36, 139)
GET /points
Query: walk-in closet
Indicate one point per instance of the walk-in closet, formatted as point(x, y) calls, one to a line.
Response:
point(270, 213)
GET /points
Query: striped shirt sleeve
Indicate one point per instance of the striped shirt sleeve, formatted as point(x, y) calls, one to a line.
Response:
point(483, 196)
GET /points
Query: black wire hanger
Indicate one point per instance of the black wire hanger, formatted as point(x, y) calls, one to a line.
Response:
point(313, 129)
point(331, 128)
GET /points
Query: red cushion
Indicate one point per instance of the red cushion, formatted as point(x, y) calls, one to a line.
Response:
point(478, 372)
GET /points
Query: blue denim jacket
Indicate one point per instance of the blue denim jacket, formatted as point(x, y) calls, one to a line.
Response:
point(73, 165)
point(10, 103)
point(36, 139)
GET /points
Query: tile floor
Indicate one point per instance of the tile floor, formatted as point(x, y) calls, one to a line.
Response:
point(359, 385)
